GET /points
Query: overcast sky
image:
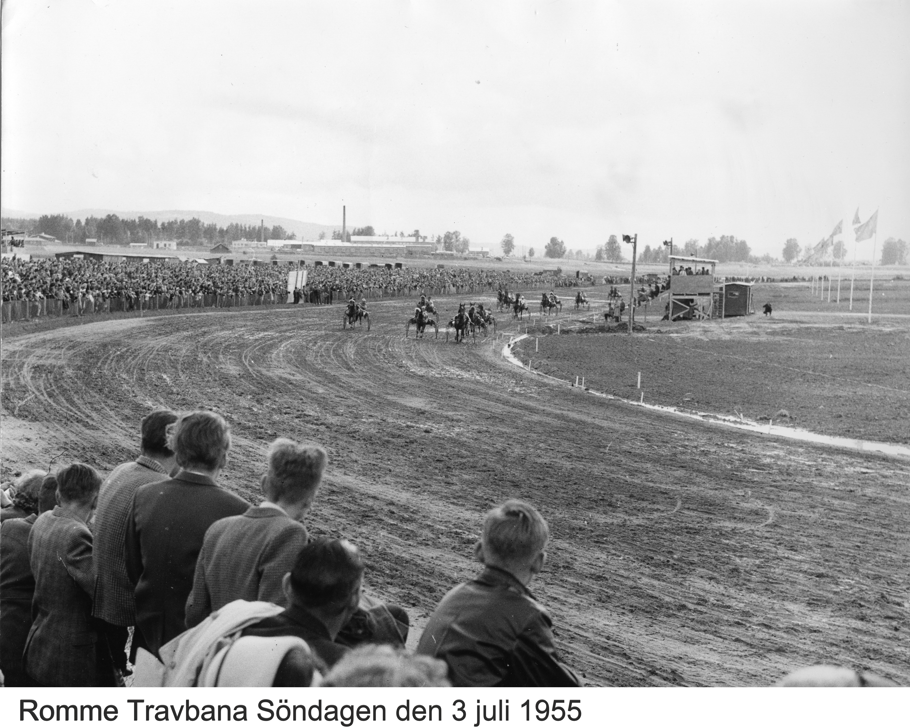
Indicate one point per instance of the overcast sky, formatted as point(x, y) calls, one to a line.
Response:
point(764, 120)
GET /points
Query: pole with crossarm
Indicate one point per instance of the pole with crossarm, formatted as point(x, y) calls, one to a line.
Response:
point(633, 239)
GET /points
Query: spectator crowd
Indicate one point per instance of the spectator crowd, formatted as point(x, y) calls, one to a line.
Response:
point(157, 576)
point(78, 286)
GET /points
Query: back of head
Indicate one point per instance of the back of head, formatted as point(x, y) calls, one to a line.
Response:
point(831, 676)
point(154, 433)
point(47, 499)
point(200, 440)
point(295, 471)
point(382, 666)
point(327, 572)
point(514, 532)
point(78, 483)
point(28, 490)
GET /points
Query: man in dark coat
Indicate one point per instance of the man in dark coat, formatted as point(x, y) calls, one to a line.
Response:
point(491, 631)
point(63, 647)
point(167, 524)
point(114, 602)
point(323, 592)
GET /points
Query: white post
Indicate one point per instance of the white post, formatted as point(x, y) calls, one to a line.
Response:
point(853, 275)
point(639, 380)
point(536, 344)
point(582, 382)
point(872, 273)
point(557, 327)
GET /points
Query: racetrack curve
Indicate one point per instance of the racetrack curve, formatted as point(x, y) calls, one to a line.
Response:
point(682, 553)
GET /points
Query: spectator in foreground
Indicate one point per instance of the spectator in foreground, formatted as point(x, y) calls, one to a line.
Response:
point(830, 676)
point(382, 666)
point(246, 556)
point(323, 592)
point(62, 648)
point(114, 603)
point(491, 631)
point(17, 587)
point(167, 523)
point(24, 501)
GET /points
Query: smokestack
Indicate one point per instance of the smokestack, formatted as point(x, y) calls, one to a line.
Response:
point(261, 230)
point(344, 223)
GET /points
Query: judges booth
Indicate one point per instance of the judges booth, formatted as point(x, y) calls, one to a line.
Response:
point(691, 288)
point(733, 299)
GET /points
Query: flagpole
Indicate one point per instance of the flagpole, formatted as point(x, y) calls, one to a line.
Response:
point(872, 273)
point(839, 266)
point(853, 275)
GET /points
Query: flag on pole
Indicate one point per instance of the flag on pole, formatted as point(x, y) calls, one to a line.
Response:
point(867, 229)
point(856, 220)
point(838, 229)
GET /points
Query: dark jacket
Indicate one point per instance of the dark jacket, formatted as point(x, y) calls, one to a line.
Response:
point(17, 588)
point(295, 621)
point(164, 533)
point(491, 632)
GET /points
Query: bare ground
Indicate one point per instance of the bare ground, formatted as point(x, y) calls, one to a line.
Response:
point(682, 554)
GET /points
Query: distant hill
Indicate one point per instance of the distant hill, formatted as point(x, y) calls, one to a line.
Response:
point(303, 230)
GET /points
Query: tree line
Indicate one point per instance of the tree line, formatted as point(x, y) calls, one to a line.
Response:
point(114, 230)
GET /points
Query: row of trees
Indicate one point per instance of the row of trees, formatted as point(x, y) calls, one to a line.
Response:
point(114, 230)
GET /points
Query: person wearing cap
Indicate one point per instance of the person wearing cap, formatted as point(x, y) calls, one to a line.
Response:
point(491, 631)
point(17, 587)
point(247, 556)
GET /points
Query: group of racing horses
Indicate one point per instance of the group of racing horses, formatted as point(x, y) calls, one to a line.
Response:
point(471, 318)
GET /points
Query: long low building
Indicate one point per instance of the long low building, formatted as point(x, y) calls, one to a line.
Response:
point(336, 248)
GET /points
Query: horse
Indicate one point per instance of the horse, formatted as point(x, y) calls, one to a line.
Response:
point(355, 314)
point(548, 303)
point(504, 300)
point(481, 321)
point(519, 308)
point(582, 300)
point(421, 320)
point(462, 324)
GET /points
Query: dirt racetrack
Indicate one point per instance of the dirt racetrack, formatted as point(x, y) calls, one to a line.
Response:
point(683, 553)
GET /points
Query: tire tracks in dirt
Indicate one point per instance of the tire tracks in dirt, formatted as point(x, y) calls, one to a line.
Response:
point(681, 554)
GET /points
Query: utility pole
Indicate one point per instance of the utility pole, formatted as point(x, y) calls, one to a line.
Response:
point(633, 240)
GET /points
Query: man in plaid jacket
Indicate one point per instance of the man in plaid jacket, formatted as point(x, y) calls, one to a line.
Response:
point(63, 647)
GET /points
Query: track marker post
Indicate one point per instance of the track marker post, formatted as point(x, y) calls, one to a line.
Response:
point(536, 344)
point(639, 380)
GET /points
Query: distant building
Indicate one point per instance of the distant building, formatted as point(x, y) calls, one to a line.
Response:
point(91, 241)
point(221, 249)
point(164, 244)
point(136, 246)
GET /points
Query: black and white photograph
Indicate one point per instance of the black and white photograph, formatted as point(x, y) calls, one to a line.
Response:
point(430, 344)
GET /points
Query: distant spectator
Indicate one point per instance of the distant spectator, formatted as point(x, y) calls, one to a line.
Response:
point(246, 557)
point(382, 666)
point(323, 592)
point(24, 501)
point(167, 523)
point(491, 631)
point(62, 648)
point(766, 309)
point(829, 676)
point(114, 602)
point(17, 587)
